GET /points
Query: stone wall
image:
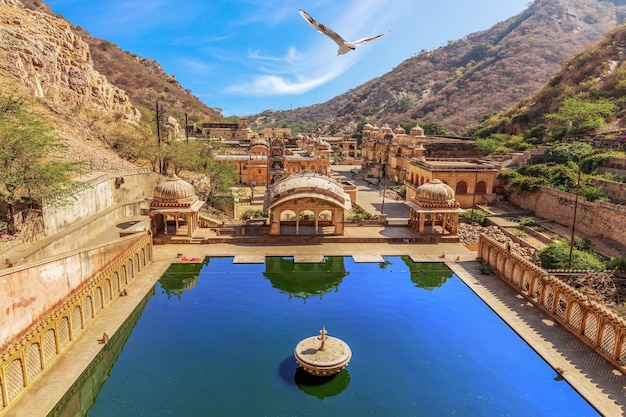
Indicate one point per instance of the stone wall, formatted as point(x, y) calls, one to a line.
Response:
point(97, 195)
point(450, 148)
point(616, 191)
point(25, 358)
point(594, 324)
point(593, 219)
point(30, 292)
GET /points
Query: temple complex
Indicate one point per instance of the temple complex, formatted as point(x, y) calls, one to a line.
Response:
point(392, 156)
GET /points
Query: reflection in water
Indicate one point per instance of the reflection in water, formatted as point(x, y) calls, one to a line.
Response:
point(428, 275)
point(322, 386)
point(82, 395)
point(303, 280)
point(179, 278)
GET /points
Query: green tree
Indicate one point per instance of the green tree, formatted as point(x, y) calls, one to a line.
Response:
point(583, 115)
point(561, 153)
point(487, 146)
point(190, 156)
point(433, 129)
point(32, 169)
point(218, 179)
point(408, 124)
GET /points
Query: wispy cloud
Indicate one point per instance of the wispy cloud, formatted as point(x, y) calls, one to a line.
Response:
point(196, 67)
point(299, 71)
point(267, 85)
point(290, 57)
point(296, 79)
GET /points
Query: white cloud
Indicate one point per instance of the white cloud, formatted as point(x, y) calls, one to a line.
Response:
point(269, 85)
point(290, 57)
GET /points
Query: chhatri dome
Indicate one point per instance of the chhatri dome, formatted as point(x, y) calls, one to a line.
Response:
point(434, 209)
point(174, 190)
point(434, 191)
point(258, 141)
point(173, 201)
point(417, 131)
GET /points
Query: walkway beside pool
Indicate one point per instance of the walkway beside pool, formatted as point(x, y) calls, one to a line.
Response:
point(593, 377)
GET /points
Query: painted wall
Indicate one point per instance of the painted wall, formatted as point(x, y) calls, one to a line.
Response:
point(29, 292)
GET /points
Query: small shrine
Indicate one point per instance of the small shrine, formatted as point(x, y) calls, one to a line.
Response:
point(434, 210)
point(174, 208)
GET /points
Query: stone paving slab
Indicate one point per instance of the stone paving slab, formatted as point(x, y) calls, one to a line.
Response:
point(249, 259)
point(594, 378)
point(368, 258)
point(307, 258)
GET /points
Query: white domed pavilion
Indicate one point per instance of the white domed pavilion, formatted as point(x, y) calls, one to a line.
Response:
point(174, 204)
point(434, 210)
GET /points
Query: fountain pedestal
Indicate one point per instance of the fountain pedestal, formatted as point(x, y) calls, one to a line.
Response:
point(322, 355)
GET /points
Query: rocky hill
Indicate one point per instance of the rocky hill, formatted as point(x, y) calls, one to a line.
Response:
point(481, 74)
point(79, 83)
point(593, 75)
point(148, 82)
point(42, 59)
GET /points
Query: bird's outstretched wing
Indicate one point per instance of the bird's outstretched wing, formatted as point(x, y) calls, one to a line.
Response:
point(320, 27)
point(371, 38)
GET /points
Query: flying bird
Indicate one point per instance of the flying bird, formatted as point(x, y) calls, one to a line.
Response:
point(344, 46)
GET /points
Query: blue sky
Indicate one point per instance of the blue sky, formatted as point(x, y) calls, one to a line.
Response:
point(246, 56)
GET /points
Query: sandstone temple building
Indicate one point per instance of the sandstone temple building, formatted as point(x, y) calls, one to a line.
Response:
point(261, 158)
point(393, 156)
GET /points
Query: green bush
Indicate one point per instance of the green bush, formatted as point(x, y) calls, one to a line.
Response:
point(618, 263)
point(480, 216)
point(360, 213)
point(400, 189)
point(593, 193)
point(253, 214)
point(529, 221)
point(556, 256)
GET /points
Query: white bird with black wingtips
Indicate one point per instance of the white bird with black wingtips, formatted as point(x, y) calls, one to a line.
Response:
point(344, 46)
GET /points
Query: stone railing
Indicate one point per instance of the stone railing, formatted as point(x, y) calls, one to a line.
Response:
point(35, 352)
point(593, 323)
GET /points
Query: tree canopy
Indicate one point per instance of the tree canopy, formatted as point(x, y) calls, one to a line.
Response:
point(32, 169)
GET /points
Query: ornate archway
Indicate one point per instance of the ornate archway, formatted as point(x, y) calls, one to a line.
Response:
point(317, 203)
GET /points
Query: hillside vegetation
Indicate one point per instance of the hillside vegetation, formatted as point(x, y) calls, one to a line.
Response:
point(585, 96)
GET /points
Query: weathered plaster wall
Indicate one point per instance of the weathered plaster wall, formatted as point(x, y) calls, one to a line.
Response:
point(98, 195)
point(29, 292)
point(594, 219)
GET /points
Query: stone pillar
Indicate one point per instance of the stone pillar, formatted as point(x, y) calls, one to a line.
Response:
point(297, 222)
point(274, 223)
point(338, 219)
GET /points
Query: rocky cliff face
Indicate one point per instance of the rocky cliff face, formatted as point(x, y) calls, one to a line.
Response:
point(42, 53)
